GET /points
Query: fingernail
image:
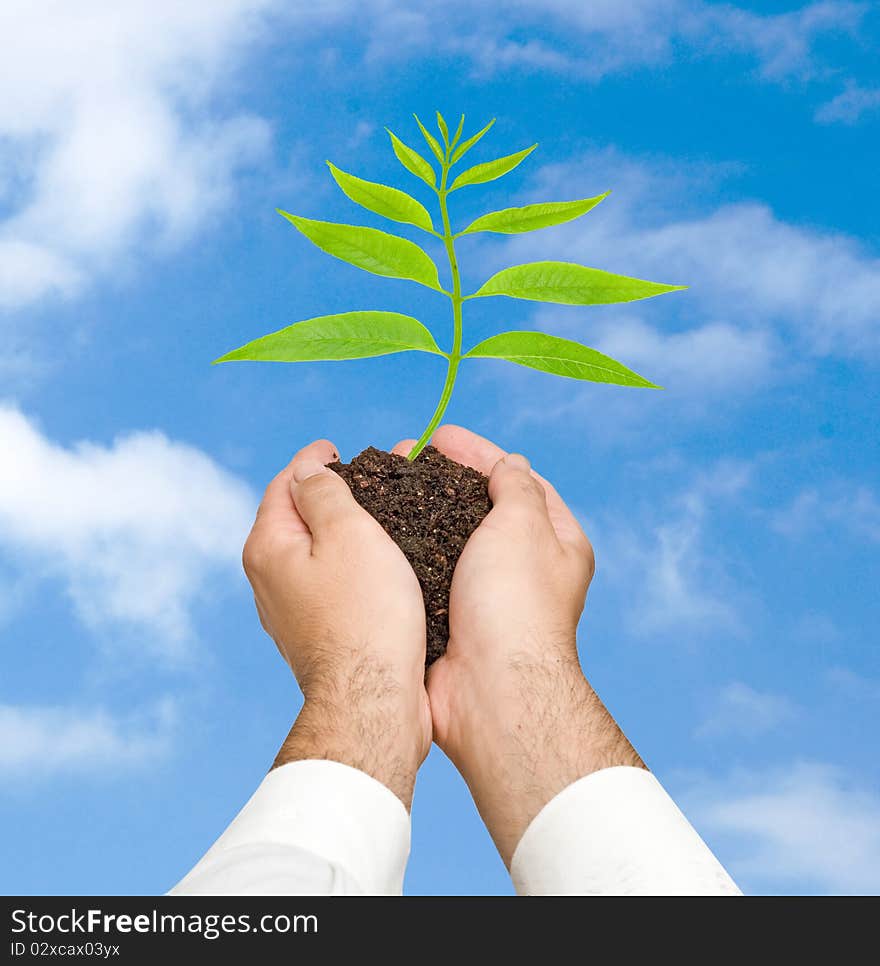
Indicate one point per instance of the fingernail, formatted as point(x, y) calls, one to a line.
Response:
point(517, 461)
point(309, 467)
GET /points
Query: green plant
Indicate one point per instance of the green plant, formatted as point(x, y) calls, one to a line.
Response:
point(353, 335)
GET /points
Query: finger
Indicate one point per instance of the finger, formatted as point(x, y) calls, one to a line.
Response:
point(465, 447)
point(518, 498)
point(482, 454)
point(404, 447)
point(565, 523)
point(321, 497)
point(277, 508)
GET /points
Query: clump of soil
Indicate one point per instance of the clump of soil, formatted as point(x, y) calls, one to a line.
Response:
point(429, 508)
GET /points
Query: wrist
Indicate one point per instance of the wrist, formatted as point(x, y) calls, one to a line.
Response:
point(541, 729)
point(343, 671)
point(516, 703)
point(373, 725)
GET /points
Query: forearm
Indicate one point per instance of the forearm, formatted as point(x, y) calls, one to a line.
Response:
point(367, 721)
point(559, 732)
point(569, 802)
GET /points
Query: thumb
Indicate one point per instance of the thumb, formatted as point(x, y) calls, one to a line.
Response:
point(516, 495)
point(322, 498)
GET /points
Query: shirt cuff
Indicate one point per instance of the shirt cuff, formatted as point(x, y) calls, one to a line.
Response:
point(615, 832)
point(335, 812)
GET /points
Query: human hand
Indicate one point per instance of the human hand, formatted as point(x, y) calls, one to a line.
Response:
point(345, 609)
point(510, 704)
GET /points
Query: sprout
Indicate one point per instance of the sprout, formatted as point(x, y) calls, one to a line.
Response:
point(358, 335)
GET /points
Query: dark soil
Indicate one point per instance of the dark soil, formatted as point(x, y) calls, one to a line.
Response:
point(429, 508)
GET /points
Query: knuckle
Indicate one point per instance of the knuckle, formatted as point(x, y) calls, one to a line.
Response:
point(320, 487)
point(524, 493)
point(356, 523)
point(349, 525)
point(336, 526)
point(522, 512)
point(254, 556)
point(532, 489)
point(587, 556)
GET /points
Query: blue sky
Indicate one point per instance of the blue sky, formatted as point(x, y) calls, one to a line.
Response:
point(731, 627)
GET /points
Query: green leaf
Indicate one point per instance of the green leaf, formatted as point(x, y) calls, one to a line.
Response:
point(471, 141)
point(458, 131)
point(490, 170)
point(388, 202)
point(570, 284)
point(433, 143)
point(351, 335)
point(512, 221)
point(373, 251)
point(412, 160)
point(444, 130)
point(561, 357)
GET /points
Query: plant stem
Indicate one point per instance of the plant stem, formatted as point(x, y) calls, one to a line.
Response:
point(456, 298)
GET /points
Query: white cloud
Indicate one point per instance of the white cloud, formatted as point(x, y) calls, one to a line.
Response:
point(757, 278)
point(593, 40)
point(134, 531)
point(849, 506)
point(713, 361)
point(741, 710)
point(743, 261)
point(117, 137)
point(852, 685)
point(849, 106)
point(809, 827)
point(39, 741)
point(673, 581)
point(20, 363)
point(111, 135)
point(817, 628)
point(714, 358)
point(29, 270)
point(669, 573)
point(781, 43)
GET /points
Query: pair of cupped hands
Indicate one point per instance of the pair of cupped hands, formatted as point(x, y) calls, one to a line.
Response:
point(508, 702)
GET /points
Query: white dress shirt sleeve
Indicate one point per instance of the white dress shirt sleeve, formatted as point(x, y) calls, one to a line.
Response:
point(616, 832)
point(311, 828)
